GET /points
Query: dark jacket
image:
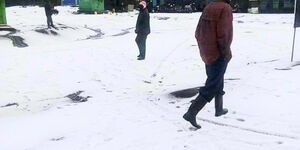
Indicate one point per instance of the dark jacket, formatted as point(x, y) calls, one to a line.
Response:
point(143, 22)
point(48, 9)
point(214, 32)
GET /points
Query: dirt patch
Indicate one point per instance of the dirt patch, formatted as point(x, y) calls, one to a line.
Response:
point(57, 139)
point(76, 98)
point(46, 31)
point(186, 93)
point(98, 34)
point(9, 29)
point(11, 104)
point(17, 41)
point(123, 32)
point(63, 26)
point(53, 30)
point(43, 31)
point(163, 18)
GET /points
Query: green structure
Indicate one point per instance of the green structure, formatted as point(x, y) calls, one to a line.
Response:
point(91, 6)
point(2, 12)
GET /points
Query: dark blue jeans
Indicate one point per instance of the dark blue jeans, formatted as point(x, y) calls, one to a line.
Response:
point(49, 21)
point(141, 43)
point(215, 79)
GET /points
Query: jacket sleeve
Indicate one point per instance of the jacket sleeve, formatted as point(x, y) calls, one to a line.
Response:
point(225, 32)
point(138, 22)
point(143, 23)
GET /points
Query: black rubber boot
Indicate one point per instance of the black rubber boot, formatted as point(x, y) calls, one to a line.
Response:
point(193, 110)
point(140, 58)
point(219, 106)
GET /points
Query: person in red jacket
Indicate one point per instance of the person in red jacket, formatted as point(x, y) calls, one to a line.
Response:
point(214, 36)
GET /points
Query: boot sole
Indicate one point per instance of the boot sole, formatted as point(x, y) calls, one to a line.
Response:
point(224, 113)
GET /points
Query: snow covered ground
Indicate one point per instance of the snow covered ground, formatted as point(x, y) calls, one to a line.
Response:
point(130, 108)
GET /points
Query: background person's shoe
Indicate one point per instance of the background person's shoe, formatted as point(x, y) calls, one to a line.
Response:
point(141, 58)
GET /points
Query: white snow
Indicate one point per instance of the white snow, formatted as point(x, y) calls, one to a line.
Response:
point(130, 108)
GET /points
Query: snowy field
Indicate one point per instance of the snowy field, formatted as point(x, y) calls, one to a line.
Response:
point(130, 107)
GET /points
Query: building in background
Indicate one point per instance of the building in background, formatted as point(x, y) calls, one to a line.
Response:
point(243, 6)
point(276, 6)
point(264, 6)
point(120, 5)
point(30, 2)
point(240, 6)
point(70, 2)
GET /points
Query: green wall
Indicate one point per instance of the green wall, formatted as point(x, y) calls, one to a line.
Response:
point(91, 5)
point(2, 12)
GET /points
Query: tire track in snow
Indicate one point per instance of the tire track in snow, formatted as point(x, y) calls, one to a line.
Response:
point(250, 130)
point(257, 131)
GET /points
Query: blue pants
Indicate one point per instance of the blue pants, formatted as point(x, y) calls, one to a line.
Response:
point(141, 43)
point(215, 79)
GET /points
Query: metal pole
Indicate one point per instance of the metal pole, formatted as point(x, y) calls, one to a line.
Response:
point(293, 45)
point(295, 7)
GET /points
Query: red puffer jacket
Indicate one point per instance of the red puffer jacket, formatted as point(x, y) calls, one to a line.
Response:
point(214, 32)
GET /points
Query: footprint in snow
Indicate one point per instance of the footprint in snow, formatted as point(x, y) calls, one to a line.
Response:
point(57, 139)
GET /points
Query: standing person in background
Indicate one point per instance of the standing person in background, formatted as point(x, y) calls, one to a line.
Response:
point(49, 11)
point(142, 29)
point(214, 36)
point(150, 6)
